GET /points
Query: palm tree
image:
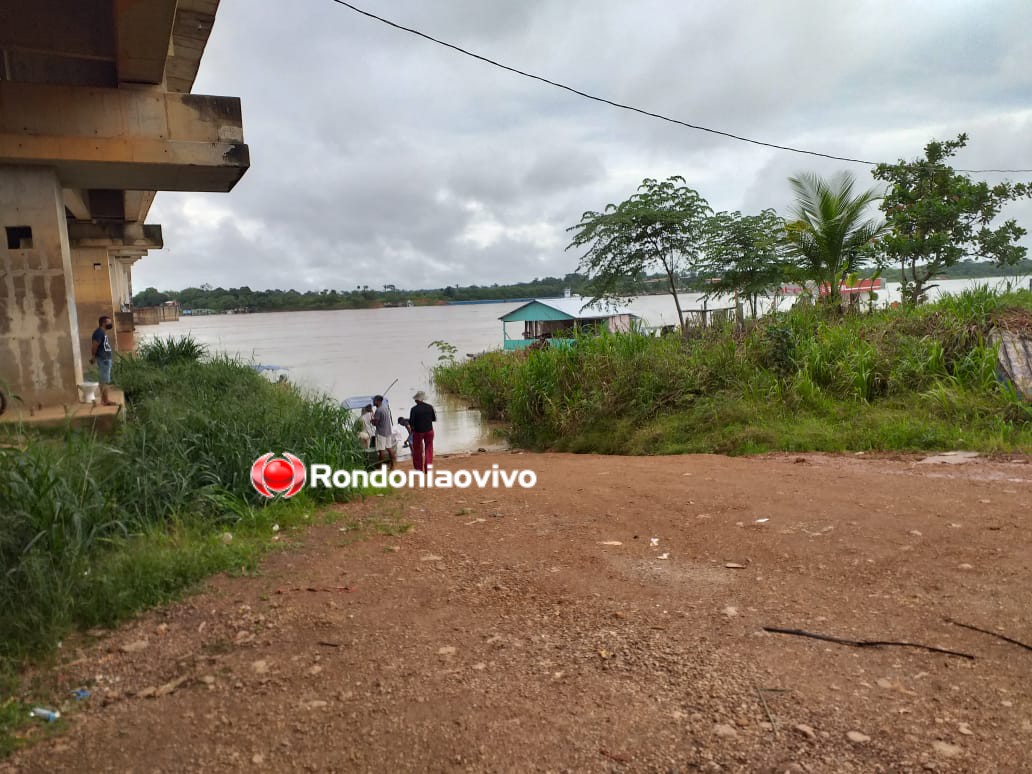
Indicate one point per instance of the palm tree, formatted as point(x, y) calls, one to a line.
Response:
point(829, 229)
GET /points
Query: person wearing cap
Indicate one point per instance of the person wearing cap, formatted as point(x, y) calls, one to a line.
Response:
point(421, 423)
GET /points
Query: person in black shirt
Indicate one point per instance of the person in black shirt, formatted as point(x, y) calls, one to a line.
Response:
point(421, 423)
point(101, 354)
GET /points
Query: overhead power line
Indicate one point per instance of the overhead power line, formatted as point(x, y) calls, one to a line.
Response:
point(631, 108)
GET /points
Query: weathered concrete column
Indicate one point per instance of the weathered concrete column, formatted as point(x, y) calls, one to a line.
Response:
point(122, 279)
point(40, 359)
point(122, 297)
point(91, 270)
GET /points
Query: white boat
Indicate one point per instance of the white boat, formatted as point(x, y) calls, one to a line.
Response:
point(358, 402)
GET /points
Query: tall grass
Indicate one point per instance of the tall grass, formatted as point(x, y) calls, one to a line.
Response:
point(165, 352)
point(908, 378)
point(94, 528)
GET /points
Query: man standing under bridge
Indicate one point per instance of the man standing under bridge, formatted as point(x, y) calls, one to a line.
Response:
point(102, 355)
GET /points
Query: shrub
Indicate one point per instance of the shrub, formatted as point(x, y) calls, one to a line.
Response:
point(166, 352)
point(81, 515)
point(906, 378)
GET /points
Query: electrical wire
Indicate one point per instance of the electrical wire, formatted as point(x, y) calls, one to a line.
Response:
point(631, 108)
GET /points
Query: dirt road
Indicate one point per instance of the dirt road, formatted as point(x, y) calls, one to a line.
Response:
point(546, 630)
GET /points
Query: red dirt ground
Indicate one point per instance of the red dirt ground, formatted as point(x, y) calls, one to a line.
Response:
point(501, 634)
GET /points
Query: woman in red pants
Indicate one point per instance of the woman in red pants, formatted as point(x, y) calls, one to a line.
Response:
point(421, 423)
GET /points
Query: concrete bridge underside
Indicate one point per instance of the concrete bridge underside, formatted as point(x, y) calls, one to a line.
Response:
point(96, 116)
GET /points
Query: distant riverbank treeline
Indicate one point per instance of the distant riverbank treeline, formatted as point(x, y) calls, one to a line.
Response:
point(361, 297)
point(364, 297)
point(973, 270)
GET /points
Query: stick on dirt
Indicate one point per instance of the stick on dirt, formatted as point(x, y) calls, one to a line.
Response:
point(866, 643)
point(614, 756)
point(316, 589)
point(770, 715)
point(1003, 637)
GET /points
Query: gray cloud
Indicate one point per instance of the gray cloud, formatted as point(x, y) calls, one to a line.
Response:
point(381, 158)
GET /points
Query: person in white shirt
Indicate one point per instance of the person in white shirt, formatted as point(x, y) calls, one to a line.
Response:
point(367, 426)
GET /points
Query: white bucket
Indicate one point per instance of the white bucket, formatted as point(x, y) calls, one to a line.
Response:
point(89, 391)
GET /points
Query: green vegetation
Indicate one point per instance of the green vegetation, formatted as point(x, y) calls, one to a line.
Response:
point(913, 378)
point(970, 270)
point(746, 254)
point(95, 528)
point(222, 300)
point(662, 228)
point(937, 217)
point(750, 272)
point(92, 526)
point(830, 230)
point(171, 351)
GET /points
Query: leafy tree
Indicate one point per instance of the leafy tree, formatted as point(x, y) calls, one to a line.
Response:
point(660, 228)
point(150, 297)
point(830, 233)
point(938, 217)
point(746, 254)
point(446, 351)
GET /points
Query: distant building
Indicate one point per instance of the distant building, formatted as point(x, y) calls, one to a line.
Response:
point(556, 320)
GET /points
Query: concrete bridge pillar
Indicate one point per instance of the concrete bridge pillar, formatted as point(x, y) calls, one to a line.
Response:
point(39, 350)
point(91, 269)
point(103, 286)
point(122, 296)
point(102, 259)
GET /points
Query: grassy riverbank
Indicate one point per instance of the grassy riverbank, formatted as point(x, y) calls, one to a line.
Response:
point(901, 379)
point(95, 528)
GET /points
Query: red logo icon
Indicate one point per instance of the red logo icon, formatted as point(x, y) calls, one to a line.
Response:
point(273, 476)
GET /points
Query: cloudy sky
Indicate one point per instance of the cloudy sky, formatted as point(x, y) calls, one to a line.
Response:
point(380, 158)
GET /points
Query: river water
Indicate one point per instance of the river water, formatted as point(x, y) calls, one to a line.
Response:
point(362, 351)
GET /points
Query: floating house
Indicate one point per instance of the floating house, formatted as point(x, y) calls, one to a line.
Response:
point(557, 319)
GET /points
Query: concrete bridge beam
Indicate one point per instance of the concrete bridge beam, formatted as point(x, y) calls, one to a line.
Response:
point(138, 235)
point(143, 29)
point(137, 204)
point(124, 139)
